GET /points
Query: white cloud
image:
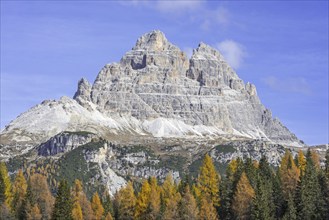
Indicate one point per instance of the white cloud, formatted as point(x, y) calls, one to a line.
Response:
point(194, 11)
point(233, 52)
point(292, 84)
point(222, 16)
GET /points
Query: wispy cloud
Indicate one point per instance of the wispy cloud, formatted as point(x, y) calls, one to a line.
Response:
point(291, 85)
point(195, 11)
point(233, 52)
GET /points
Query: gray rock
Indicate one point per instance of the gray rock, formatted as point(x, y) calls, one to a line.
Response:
point(155, 91)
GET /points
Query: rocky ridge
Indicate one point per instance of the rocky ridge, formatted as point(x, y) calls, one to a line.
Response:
point(155, 91)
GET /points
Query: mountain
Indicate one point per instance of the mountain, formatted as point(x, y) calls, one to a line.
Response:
point(154, 112)
point(155, 91)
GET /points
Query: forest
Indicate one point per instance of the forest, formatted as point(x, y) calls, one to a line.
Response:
point(297, 189)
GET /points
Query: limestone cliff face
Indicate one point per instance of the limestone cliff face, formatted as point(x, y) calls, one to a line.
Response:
point(155, 91)
point(155, 80)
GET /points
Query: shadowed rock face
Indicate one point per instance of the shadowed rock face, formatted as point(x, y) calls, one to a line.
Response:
point(155, 91)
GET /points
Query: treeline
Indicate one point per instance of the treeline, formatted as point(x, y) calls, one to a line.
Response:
point(297, 189)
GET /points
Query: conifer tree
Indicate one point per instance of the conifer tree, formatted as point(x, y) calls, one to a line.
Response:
point(289, 174)
point(108, 216)
point(227, 189)
point(312, 202)
point(263, 206)
point(226, 195)
point(63, 203)
point(242, 199)
point(153, 209)
point(170, 197)
point(326, 167)
point(251, 171)
point(5, 186)
point(125, 202)
point(324, 184)
point(301, 162)
point(278, 198)
point(316, 159)
point(208, 180)
point(35, 213)
point(291, 212)
point(108, 206)
point(80, 197)
point(188, 209)
point(143, 200)
point(38, 193)
point(97, 207)
point(18, 192)
point(77, 211)
point(207, 209)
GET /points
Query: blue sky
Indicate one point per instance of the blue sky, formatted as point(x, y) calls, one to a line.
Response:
point(280, 46)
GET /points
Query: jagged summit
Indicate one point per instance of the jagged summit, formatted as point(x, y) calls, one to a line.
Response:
point(153, 41)
point(205, 51)
point(154, 92)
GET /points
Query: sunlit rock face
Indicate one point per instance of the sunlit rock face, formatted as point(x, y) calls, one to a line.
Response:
point(154, 91)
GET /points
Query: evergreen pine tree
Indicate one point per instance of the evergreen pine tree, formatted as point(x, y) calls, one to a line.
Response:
point(311, 199)
point(226, 195)
point(326, 167)
point(108, 206)
point(251, 171)
point(63, 203)
point(263, 206)
point(291, 212)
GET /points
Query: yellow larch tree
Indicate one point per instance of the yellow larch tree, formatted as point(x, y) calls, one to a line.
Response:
point(242, 199)
point(125, 202)
point(207, 209)
point(153, 209)
point(97, 207)
point(5, 186)
point(289, 174)
point(39, 190)
point(188, 209)
point(208, 180)
point(81, 198)
point(18, 192)
point(301, 161)
point(143, 200)
point(170, 197)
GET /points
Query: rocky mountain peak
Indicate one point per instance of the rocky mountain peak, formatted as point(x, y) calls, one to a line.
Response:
point(83, 92)
point(156, 92)
point(205, 51)
point(153, 41)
